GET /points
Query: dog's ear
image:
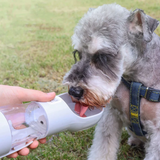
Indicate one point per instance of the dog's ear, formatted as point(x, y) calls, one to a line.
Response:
point(90, 9)
point(142, 25)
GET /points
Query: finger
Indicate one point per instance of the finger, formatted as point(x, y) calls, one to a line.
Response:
point(34, 95)
point(13, 155)
point(43, 140)
point(23, 152)
point(34, 144)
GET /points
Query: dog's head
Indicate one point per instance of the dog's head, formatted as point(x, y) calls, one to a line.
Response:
point(99, 41)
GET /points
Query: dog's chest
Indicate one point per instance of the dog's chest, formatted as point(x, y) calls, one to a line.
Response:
point(121, 103)
point(148, 110)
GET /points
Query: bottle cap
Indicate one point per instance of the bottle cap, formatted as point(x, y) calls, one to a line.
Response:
point(5, 135)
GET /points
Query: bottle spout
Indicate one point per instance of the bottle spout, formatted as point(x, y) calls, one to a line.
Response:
point(61, 115)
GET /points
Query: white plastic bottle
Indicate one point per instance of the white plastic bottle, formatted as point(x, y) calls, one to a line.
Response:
point(23, 123)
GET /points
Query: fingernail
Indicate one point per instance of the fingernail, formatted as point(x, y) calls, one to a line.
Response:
point(51, 93)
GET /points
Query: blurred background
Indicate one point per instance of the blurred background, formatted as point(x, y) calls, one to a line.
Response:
point(36, 52)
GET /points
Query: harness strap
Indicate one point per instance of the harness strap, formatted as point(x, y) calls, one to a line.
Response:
point(135, 108)
point(137, 90)
point(148, 93)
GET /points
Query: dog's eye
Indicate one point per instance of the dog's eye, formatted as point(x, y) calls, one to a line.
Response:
point(100, 59)
point(77, 55)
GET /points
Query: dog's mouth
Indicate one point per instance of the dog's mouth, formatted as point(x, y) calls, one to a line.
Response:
point(81, 107)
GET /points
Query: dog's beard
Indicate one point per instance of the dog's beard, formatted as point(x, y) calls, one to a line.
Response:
point(91, 100)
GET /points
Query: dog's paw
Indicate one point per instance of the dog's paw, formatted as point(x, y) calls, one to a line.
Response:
point(134, 142)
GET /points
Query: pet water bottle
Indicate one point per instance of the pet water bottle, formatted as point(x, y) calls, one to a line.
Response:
point(21, 124)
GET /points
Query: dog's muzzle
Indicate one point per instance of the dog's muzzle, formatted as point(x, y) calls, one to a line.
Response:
point(76, 92)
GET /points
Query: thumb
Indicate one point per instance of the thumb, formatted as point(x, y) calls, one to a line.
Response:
point(47, 97)
point(35, 95)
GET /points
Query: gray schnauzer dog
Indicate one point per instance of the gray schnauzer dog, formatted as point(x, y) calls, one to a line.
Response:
point(112, 43)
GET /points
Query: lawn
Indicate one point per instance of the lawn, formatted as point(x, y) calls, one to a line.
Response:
point(35, 52)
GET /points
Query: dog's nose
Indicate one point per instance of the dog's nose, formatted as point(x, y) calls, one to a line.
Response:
point(76, 92)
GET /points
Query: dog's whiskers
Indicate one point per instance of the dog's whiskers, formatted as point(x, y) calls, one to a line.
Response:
point(105, 75)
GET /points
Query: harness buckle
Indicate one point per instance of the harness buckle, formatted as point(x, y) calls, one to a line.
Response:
point(148, 93)
point(145, 96)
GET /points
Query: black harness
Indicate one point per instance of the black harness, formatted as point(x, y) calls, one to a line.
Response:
point(138, 91)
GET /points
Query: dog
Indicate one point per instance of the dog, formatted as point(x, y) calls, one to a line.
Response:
point(112, 43)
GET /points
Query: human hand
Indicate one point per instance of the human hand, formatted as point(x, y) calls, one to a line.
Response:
point(17, 95)
point(25, 151)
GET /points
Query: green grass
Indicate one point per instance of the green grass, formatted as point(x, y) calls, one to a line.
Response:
point(35, 52)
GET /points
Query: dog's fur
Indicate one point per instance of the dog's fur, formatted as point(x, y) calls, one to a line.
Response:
point(114, 42)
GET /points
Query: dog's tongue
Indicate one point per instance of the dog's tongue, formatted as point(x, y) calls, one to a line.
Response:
point(80, 109)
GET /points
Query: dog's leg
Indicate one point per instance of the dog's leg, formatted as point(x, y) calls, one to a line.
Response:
point(107, 136)
point(152, 147)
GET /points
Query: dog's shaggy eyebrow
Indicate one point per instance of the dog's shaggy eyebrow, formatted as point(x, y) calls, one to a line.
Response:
point(109, 51)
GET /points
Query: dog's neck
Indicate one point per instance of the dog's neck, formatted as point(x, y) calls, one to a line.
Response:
point(142, 65)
